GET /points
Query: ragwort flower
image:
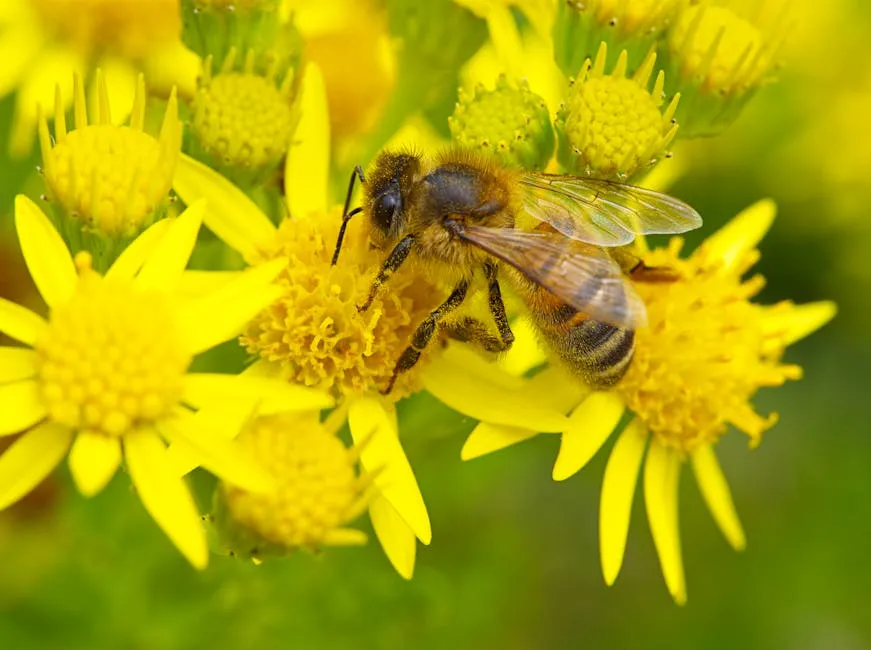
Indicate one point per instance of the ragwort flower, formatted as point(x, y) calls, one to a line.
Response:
point(315, 335)
point(611, 125)
point(706, 351)
point(105, 376)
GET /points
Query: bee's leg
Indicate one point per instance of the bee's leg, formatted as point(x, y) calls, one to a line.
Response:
point(346, 216)
point(425, 330)
point(472, 330)
point(497, 307)
point(394, 261)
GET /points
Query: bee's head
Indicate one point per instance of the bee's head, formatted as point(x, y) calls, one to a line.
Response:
point(388, 189)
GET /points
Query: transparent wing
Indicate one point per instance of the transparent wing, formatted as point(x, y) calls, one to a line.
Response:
point(582, 275)
point(603, 213)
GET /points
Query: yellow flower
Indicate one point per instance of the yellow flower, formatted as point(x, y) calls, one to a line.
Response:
point(611, 126)
point(109, 181)
point(717, 59)
point(44, 41)
point(315, 335)
point(105, 375)
point(705, 353)
point(319, 490)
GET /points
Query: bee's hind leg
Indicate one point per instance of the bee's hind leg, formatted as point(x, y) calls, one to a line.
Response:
point(423, 334)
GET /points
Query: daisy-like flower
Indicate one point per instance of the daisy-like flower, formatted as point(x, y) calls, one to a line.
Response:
point(705, 353)
point(717, 59)
point(104, 377)
point(314, 334)
point(610, 125)
point(44, 41)
point(107, 182)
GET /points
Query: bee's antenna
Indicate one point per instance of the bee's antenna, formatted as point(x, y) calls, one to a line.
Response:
point(346, 216)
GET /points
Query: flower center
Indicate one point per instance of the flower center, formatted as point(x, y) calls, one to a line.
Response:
point(243, 120)
point(109, 359)
point(703, 355)
point(512, 124)
point(736, 60)
point(112, 178)
point(315, 332)
point(318, 487)
point(126, 27)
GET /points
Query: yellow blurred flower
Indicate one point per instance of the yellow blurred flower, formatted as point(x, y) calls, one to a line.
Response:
point(350, 43)
point(105, 375)
point(716, 58)
point(705, 353)
point(45, 42)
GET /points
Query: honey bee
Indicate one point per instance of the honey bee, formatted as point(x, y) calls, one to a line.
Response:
point(555, 238)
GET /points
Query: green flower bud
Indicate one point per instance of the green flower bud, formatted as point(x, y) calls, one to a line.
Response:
point(510, 124)
point(241, 121)
point(630, 25)
point(717, 60)
point(611, 126)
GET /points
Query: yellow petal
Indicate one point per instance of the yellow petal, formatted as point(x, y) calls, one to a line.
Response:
point(661, 474)
point(346, 537)
point(741, 234)
point(467, 359)
point(29, 459)
point(795, 323)
point(223, 314)
point(374, 430)
point(395, 536)
point(268, 395)
point(717, 495)
point(133, 257)
point(20, 46)
point(93, 460)
point(224, 420)
point(231, 215)
point(489, 402)
point(618, 489)
point(169, 257)
point(165, 495)
point(197, 284)
point(22, 406)
point(526, 353)
point(307, 167)
point(47, 257)
point(16, 364)
point(220, 456)
point(590, 425)
point(506, 39)
point(487, 438)
point(20, 323)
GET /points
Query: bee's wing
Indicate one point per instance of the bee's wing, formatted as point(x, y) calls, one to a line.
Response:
point(603, 213)
point(582, 275)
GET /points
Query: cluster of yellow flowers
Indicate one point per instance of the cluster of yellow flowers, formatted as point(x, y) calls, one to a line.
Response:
point(249, 125)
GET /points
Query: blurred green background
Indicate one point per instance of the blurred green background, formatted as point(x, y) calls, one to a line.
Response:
point(514, 560)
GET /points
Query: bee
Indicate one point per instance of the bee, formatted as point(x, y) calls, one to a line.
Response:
point(556, 239)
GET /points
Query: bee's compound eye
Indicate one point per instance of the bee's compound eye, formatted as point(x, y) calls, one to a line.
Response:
point(384, 207)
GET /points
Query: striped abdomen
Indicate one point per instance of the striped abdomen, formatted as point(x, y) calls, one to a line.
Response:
point(597, 352)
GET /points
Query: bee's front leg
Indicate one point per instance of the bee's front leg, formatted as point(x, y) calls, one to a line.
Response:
point(497, 306)
point(397, 256)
